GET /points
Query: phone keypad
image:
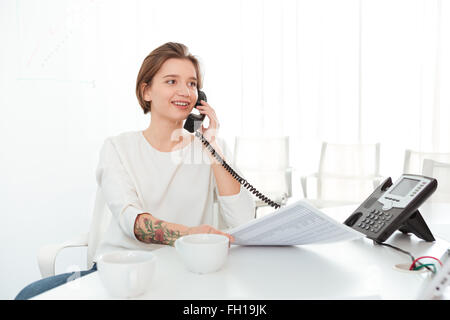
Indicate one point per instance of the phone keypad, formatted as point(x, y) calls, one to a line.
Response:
point(375, 220)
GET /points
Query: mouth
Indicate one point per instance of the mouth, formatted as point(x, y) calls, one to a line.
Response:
point(181, 104)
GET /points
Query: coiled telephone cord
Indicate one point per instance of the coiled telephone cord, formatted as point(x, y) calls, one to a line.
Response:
point(236, 176)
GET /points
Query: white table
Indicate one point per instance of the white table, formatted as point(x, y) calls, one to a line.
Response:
point(437, 217)
point(348, 270)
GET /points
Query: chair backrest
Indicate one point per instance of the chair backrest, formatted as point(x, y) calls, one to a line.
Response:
point(413, 162)
point(441, 172)
point(350, 160)
point(348, 173)
point(264, 163)
point(100, 221)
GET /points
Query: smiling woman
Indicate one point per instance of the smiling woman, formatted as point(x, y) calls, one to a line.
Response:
point(158, 190)
point(146, 179)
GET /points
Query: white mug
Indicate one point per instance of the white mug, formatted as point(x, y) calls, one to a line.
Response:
point(126, 274)
point(203, 253)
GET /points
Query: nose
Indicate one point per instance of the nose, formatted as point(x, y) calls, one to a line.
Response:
point(183, 90)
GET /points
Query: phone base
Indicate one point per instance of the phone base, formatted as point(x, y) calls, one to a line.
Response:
point(417, 225)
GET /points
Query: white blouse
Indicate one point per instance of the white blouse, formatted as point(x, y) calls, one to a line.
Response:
point(178, 187)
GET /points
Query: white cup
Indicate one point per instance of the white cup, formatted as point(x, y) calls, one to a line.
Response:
point(203, 253)
point(127, 274)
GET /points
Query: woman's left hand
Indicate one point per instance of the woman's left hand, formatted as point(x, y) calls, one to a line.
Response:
point(212, 131)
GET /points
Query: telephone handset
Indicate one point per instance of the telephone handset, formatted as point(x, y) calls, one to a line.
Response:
point(193, 123)
point(394, 207)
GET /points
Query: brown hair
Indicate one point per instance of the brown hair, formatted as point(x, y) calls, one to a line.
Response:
point(153, 62)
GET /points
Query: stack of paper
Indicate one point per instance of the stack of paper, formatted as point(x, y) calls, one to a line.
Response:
point(296, 224)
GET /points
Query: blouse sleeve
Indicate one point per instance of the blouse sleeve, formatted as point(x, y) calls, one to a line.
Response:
point(239, 208)
point(118, 188)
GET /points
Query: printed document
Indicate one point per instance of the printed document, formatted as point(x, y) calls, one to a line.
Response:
point(296, 224)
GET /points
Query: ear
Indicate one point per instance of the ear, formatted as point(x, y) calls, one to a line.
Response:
point(145, 89)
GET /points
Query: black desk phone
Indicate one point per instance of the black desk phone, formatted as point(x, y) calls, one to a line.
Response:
point(193, 123)
point(394, 207)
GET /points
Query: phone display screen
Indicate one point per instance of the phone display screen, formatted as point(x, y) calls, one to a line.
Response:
point(404, 186)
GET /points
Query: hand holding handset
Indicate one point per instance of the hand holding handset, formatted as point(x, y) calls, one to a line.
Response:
point(394, 207)
point(193, 123)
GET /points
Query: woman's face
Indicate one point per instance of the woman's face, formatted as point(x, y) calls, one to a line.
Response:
point(173, 91)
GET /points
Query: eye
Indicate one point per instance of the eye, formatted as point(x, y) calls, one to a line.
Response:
point(170, 81)
point(193, 83)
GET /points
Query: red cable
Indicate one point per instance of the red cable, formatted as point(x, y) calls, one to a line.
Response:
point(414, 262)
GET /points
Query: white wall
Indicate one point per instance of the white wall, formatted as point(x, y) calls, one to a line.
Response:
point(66, 85)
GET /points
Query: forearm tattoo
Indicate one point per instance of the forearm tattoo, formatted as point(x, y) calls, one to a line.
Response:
point(156, 232)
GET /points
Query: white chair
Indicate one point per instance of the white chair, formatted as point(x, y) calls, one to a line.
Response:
point(264, 163)
point(441, 172)
point(100, 221)
point(441, 197)
point(413, 162)
point(347, 174)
